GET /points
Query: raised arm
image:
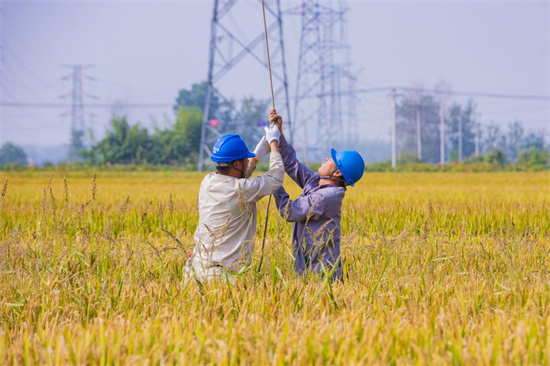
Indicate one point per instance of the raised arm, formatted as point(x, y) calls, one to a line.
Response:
point(304, 208)
point(295, 170)
point(256, 188)
point(261, 150)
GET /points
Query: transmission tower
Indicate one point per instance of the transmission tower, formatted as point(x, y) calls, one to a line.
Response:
point(231, 49)
point(77, 108)
point(325, 88)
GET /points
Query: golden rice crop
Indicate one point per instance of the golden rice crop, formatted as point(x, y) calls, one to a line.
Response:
point(439, 269)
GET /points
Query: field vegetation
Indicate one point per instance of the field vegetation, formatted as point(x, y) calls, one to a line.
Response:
point(440, 268)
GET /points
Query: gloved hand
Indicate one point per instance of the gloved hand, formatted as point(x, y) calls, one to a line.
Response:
point(274, 118)
point(262, 149)
point(272, 133)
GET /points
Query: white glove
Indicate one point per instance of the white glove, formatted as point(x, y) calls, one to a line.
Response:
point(272, 133)
point(262, 149)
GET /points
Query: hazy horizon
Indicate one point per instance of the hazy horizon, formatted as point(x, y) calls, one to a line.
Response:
point(145, 52)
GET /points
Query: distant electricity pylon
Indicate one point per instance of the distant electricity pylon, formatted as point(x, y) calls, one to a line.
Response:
point(325, 96)
point(230, 49)
point(77, 96)
point(77, 113)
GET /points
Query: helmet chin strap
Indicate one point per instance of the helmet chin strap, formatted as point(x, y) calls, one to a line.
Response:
point(232, 167)
point(339, 180)
point(239, 170)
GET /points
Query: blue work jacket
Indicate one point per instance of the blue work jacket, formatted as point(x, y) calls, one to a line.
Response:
point(315, 217)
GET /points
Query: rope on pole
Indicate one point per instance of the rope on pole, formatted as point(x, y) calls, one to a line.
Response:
point(273, 105)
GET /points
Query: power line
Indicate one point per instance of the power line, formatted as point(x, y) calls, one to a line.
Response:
point(20, 81)
point(358, 91)
point(472, 94)
point(27, 69)
point(5, 91)
point(88, 105)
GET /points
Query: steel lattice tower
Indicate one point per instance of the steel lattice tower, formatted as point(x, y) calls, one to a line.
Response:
point(77, 96)
point(230, 48)
point(325, 89)
point(78, 125)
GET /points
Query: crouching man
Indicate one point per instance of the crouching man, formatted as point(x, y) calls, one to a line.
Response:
point(316, 214)
point(224, 238)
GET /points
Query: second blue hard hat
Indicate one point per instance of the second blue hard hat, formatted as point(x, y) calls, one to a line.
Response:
point(350, 164)
point(229, 148)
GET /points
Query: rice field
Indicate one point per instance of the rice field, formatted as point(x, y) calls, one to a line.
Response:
point(440, 268)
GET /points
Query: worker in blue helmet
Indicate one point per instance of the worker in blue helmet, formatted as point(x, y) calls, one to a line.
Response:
point(227, 205)
point(317, 213)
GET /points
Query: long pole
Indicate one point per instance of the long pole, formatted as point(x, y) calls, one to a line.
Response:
point(283, 60)
point(273, 105)
point(268, 57)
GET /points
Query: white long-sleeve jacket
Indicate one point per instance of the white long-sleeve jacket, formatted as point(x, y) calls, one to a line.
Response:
point(227, 219)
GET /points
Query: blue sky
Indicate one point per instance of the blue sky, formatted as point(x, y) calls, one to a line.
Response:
point(145, 51)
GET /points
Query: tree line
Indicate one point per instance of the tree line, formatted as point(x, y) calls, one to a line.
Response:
point(179, 143)
point(418, 118)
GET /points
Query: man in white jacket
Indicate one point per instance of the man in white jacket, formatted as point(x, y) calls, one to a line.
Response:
point(227, 205)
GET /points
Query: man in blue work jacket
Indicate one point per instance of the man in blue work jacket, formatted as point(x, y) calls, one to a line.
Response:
point(317, 213)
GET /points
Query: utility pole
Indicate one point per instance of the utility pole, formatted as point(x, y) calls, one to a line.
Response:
point(441, 133)
point(418, 133)
point(460, 140)
point(228, 47)
point(443, 91)
point(477, 139)
point(394, 132)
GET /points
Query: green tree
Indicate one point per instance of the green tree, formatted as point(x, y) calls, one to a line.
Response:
point(493, 138)
point(123, 144)
point(496, 157)
point(12, 154)
point(188, 128)
point(453, 156)
point(180, 144)
point(514, 140)
point(465, 116)
point(409, 159)
point(222, 110)
point(196, 96)
point(534, 139)
point(533, 157)
point(417, 104)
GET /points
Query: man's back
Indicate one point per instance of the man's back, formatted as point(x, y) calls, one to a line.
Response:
point(227, 218)
point(227, 222)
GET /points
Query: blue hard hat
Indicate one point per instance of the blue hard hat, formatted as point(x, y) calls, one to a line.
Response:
point(229, 148)
point(350, 164)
